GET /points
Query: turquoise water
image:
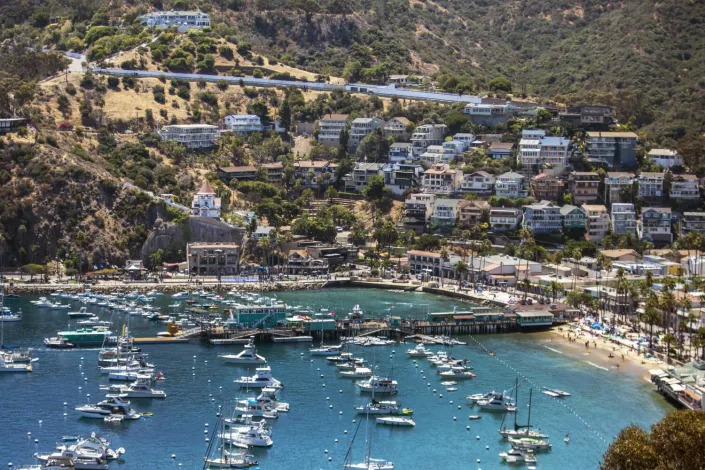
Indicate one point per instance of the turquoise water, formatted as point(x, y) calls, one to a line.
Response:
point(603, 402)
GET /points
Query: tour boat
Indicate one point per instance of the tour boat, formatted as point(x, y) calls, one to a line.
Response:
point(357, 373)
point(86, 336)
point(109, 406)
point(7, 365)
point(375, 384)
point(497, 402)
point(518, 456)
point(246, 356)
point(395, 421)
point(262, 378)
point(58, 342)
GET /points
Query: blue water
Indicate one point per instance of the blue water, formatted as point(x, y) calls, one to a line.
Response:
point(603, 402)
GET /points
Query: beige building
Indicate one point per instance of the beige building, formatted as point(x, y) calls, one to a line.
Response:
point(213, 259)
point(597, 223)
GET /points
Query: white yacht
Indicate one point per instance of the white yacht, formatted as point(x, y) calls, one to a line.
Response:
point(180, 295)
point(457, 373)
point(370, 464)
point(518, 456)
point(81, 313)
point(8, 365)
point(109, 406)
point(326, 350)
point(524, 432)
point(376, 384)
point(7, 316)
point(140, 388)
point(262, 378)
point(478, 396)
point(419, 351)
point(246, 356)
point(351, 365)
point(383, 408)
point(256, 408)
point(396, 421)
point(497, 402)
point(357, 373)
point(268, 395)
point(42, 302)
point(527, 443)
point(253, 437)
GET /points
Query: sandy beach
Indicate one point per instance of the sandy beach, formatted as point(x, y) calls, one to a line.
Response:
point(598, 352)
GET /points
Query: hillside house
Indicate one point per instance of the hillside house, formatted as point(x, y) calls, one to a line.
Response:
point(357, 179)
point(651, 185)
point(505, 219)
point(547, 187)
point(655, 225)
point(400, 152)
point(617, 183)
point(584, 186)
point(361, 128)
point(205, 203)
point(665, 157)
point(597, 223)
point(573, 217)
point(441, 179)
point(623, 218)
point(500, 150)
point(612, 149)
point(183, 20)
point(397, 128)
point(542, 217)
point(489, 115)
point(685, 187)
point(511, 185)
point(402, 177)
point(428, 134)
point(311, 171)
point(330, 127)
point(193, 136)
point(478, 182)
point(243, 124)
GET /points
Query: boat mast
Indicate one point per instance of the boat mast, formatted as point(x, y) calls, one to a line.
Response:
point(516, 403)
point(528, 422)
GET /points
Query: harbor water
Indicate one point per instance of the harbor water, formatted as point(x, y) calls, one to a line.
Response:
point(322, 411)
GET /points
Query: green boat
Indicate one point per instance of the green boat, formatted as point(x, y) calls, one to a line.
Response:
point(86, 336)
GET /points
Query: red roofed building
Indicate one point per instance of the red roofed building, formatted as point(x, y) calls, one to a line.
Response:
point(204, 203)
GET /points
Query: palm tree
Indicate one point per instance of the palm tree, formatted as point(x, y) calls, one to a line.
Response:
point(691, 318)
point(667, 303)
point(669, 339)
point(461, 269)
point(652, 316)
point(555, 288)
point(526, 284)
point(444, 258)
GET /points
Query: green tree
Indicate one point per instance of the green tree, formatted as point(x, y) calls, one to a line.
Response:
point(500, 84)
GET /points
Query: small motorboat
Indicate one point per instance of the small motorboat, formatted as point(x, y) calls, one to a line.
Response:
point(395, 421)
point(58, 342)
point(357, 373)
point(474, 417)
point(518, 456)
point(554, 392)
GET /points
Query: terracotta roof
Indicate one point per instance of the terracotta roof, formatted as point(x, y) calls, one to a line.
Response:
point(206, 188)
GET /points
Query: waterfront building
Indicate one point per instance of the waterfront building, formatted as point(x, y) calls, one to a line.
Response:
point(685, 187)
point(542, 217)
point(193, 136)
point(213, 259)
point(617, 185)
point(183, 20)
point(357, 179)
point(547, 187)
point(361, 128)
point(584, 186)
point(441, 179)
point(479, 182)
point(573, 217)
point(504, 270)
point(205, 203)
point(534, 319)
point(330, 127)
point(428, 134)
point(665, 158)
point(243, 124)
point(597, 223)
point(432, 263)
point(613, 149)
point(260, 315)
point(623, 218)
point(651, 185)
point(511, 185)
point(300, 262)
point(655, 225)
point(503, 219)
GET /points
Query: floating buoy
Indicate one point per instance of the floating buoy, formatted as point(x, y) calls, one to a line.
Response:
point(324, 385)
point(477, 437)
point(340, 412)
point(36, 441)
point(345, 432)
point(325, 451)
point(478, 460)
point(65, 414)
point(330, 406)
point(340, 391)
point(209, 380)
point(66, 404)
point(321, 375)
point(193, 368)
point(454, 418)
point(458, 406)
point(206, 424)
point(440, 395)
point(330, 458)
point(434, 390)
point(207, 440)
point(336, 441)
point(205, 431)
point(210, 394)
point(319, 369)
point(40, 421)
point(487, 447)
point(467, 428)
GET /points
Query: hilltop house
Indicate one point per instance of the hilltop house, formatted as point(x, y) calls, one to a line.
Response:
point(511, 185)
point(242, 124)
point(665, 157)
point(485, 114)
point(479, 182)
point(205, 203)
point(183, 20)
point(587, 116)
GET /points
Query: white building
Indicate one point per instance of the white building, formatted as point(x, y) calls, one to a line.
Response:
point(665, 157)
point(400, 152)
point(623, 218)
point(243, 123)
point(204, 203)
point(436, 154)
point(489, 114)
point(183, 20)
point(357, 179)
point(511, 185)
point(685, 187)
point(543, 217)
point(503, 219)
point(361, 128)
point(655, 225)
point(617, 182)
point(428, 134)
point(535, 148)
point(445, 212)
point(479, 182)
point(330, 127)
point(191, 135)
point(651, 185)
point(396, 127)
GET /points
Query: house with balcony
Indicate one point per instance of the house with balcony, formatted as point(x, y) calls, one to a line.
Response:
point(441, 179)
point(182, 20)
point(547, 187)
point(357, 179)
point(428, 134)
point(692, 222)
point(436, 154)
point(535, 148)
point(588, 116)
point(503, 219)
point(655, 225)
point(489, 115)
point(213, 259)
point(597, 222)
point(573, 217)
point(396, 128)
point(361, 128)
point(500, 150)
point(193, 136)
point(478, 182)
point(651, 185)
point(274, 172)
point(310, 172)
point(685, 187)
point(617, 183)
point(542, 217)
point(400, 152)
point(402, 177)
point(330, 127)
point(473, 213)
point(666, 158)
point(466, 138)
point(243, 124)
point(445, 213)
point(584, 186)
point(417, 211)
point(205, 203)
point(623, 218)
point(612, 149)
point(511, 185)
